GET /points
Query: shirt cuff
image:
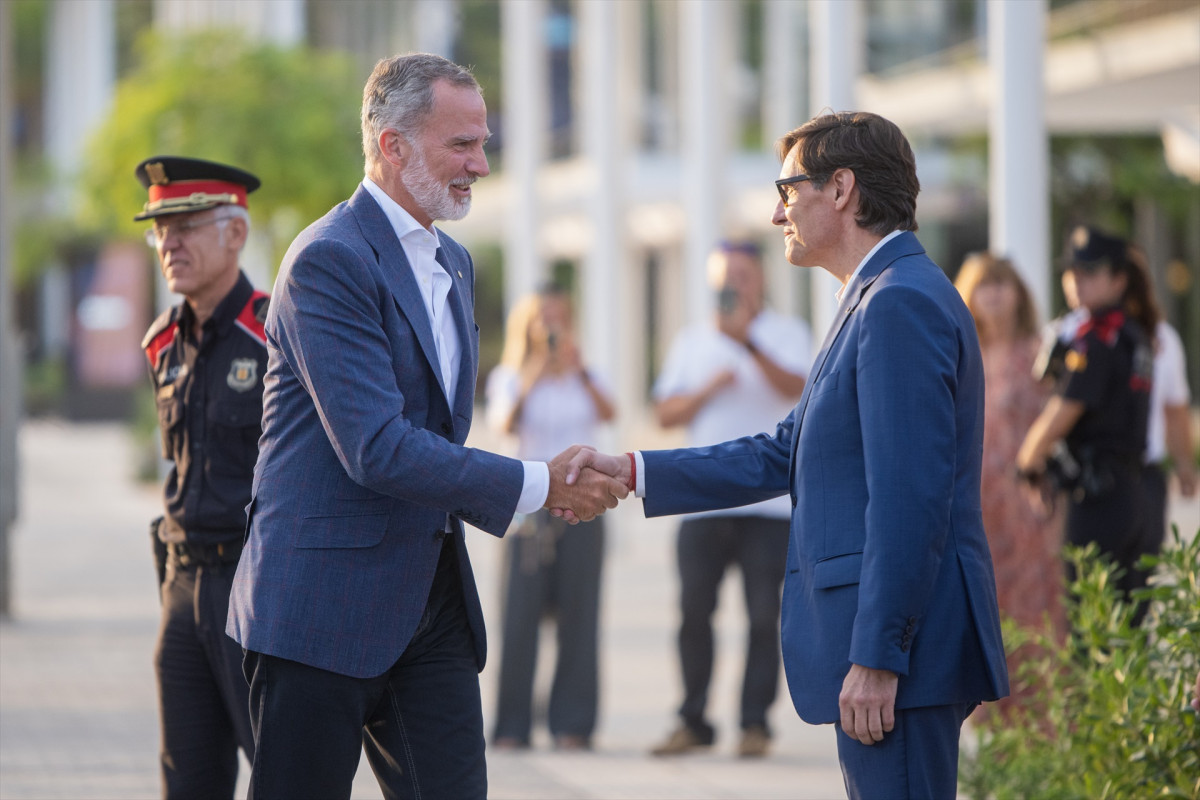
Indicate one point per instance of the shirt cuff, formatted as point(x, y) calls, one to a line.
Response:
point(640, 489)
point(536, 488)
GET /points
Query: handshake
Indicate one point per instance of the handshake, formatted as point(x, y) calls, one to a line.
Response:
point(584, 483)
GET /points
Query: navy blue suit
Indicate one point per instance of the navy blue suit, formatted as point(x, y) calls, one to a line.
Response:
point(361, 460)
point(887, 566)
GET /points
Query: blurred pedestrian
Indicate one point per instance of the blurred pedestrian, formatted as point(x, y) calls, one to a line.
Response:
point(1090, 438)
point(207, 360)
point(1026, 544)
point(1169, 440)
point(738, 375)
point(543, 394)
point(1169, 437)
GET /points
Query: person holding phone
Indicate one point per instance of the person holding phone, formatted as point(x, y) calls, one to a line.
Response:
point(542, 394)
point(740, 375)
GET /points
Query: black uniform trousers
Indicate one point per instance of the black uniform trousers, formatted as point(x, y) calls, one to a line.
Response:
point(707, 546)
point(204, 705)
point(1116, 521)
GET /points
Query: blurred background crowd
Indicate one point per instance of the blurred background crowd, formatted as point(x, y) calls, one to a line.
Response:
point(629, 139)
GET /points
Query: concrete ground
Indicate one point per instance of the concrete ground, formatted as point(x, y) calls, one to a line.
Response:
point(77, 699)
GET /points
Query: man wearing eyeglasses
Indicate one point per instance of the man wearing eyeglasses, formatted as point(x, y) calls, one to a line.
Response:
point(890, 629)
point(207, 359)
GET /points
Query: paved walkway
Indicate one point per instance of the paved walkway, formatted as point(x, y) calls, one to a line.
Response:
point(77, 699)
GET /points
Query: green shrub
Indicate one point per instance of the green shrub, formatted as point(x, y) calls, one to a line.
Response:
point(1111, 717)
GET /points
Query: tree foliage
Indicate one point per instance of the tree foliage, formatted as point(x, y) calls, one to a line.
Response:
point(289, 115)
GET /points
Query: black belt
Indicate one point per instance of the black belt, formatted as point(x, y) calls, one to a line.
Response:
point(191, 553)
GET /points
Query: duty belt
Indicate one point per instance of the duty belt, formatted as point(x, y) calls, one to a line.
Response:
point(191, 553)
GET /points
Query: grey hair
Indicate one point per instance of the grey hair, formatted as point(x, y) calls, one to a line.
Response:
point(227, 213)
point(399, 95)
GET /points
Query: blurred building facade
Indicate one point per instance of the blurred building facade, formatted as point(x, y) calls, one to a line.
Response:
point(635, 135)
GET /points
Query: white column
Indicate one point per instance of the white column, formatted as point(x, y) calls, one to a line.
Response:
point(605, 324)
point(281, 22)
point(1018, 167)
point(525, 122)
point(80, 74)
point(437, 24)
point(10, 354)
point(704, 36)
point(837, 38)
point(783, 109)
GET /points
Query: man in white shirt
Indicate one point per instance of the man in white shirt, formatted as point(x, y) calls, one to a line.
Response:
point(737, 376)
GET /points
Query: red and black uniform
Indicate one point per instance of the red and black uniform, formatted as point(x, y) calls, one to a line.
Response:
point(209, 400)
point(1109, 368)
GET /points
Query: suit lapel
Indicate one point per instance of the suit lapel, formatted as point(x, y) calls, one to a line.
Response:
point(903, 245)
point(397, 273)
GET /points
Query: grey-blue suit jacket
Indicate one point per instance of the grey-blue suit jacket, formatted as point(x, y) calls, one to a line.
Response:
point(361, 456)
point(888, 565)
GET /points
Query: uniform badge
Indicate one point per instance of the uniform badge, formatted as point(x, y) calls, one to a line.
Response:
point(243, 374)
point(156, 174)
point(1076, 361)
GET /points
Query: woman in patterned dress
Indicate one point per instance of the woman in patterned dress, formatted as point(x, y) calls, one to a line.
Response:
point(1026, 543)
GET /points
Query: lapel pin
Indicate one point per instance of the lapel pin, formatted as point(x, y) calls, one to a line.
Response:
point(459, 273)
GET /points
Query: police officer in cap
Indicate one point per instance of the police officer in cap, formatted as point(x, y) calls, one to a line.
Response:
point(1090, 437)
point(207, 358)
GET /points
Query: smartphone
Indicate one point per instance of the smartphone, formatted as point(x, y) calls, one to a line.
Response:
point(727, 300)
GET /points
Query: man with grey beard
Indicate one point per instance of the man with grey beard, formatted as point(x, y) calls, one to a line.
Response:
point(354, 599)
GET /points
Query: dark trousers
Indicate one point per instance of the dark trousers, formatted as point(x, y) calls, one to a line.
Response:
point(707, 546)
point(552, 570)
point(918, 760)
point(1116, 522)
point(203, 699)
point(1153, 519)
point(421, 722)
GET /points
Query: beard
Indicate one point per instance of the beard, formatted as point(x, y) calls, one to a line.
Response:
point(432, 196)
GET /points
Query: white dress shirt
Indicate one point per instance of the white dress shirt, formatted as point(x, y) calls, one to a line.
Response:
point(420, 247)
point(1169, 388)
point(748, 406)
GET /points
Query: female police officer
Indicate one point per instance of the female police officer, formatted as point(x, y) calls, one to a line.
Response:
point(1101, 405)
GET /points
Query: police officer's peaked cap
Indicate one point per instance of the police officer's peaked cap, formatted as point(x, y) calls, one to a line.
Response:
point(179, 185)
point(1090, 249)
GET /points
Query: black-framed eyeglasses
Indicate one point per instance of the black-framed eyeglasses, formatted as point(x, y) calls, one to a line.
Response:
point(782, 182)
